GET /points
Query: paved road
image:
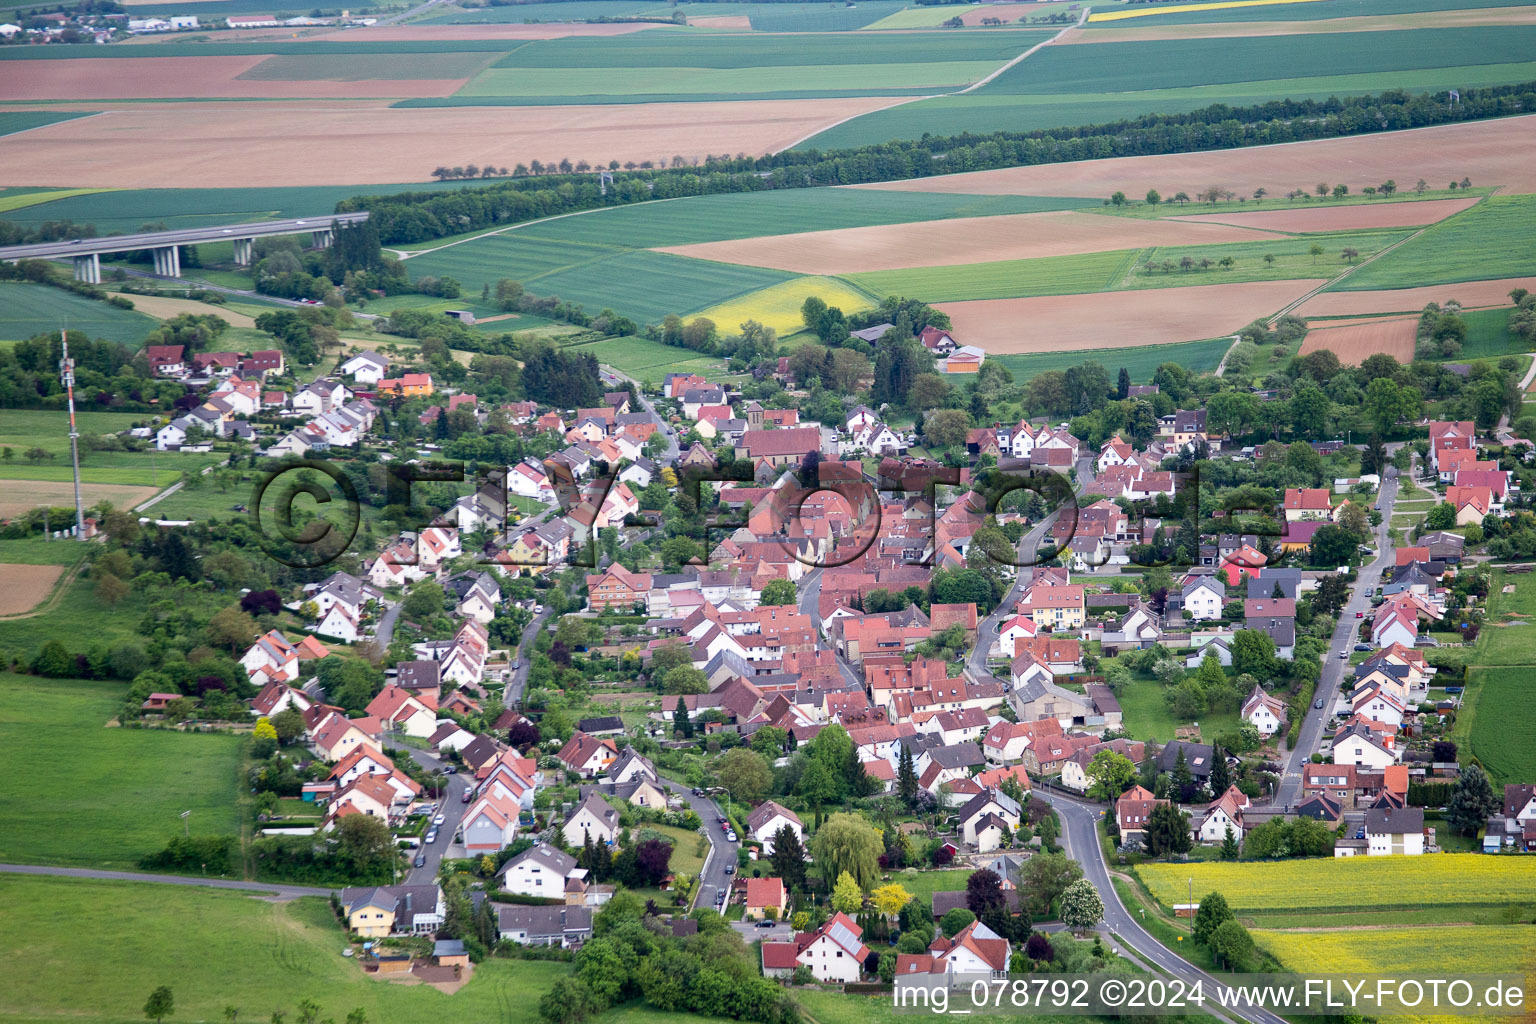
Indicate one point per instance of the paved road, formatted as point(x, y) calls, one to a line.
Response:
point(722, 853)
point(1080, 837)
point(668, 457)
point(453, 808)
point(384, 632)
point(810, 596)
point(1288, 794)
point(279, 891)
point(986, 630)
point(519, 681)
point(179, 236)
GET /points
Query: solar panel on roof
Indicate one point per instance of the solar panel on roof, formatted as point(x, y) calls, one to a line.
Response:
point(843, 936)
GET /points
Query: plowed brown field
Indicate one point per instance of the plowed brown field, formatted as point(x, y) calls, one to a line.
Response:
point(1008, 12)
point(23, 587)
point(733, 21)
point(938, 243)
point(1489, 152)
point(24, 495)
point(88, 78)
point(1354, 343)
point(1359, 217)
point(1471, 294)
point(231, 145)
point(1064, 323)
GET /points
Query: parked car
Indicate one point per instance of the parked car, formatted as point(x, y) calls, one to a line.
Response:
point(469, 795)
point(1318, 704)
point(765, 923)
point(1359, 615)
point(438, 821)
point(421, 860)
point(1343, 655)
point(730, 837)
point(1362, 647)
point(449, 769)
point(432, 836)
point(730, 869)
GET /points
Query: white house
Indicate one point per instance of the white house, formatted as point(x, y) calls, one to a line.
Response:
point(340, 622)
point(835, 952)
point(767, 819)
point(1359, 747)
point(540, 870)
point(272, 657)
point(1203, 599)
point(366, 368)
point(1393, 831)
point(594, 817)
point(1265, 711)
point(1224, 813)
point(1020, 627)
point(985, 815)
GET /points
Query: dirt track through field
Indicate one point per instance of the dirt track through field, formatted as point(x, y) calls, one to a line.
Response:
point(1376, 23)
point(87, 78)
point(233, 145)
point(1066, 323)
point(1471, 295)
point(17, 496)
point(1322, 217)
point(1354, 343)
point(970, 240)
point(1489, 152)
point(23, 587)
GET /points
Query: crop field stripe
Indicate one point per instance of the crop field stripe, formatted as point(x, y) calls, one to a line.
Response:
point(1191, 8)
point(13, 122)
point(19, 202)
point(1175, 63)
point(1308, 12)
point(1051, 275)
point(699, 84)
point(667, 50)
point(1140, 362)
point(1498, 230)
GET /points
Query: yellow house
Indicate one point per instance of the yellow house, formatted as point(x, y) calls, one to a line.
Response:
point(765, 898)
point(372, 915)
point(407, 385)
point(1056, 607)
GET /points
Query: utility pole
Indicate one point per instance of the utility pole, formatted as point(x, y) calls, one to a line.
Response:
point(67, 376)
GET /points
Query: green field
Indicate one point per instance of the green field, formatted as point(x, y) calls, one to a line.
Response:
point(697, 50)
point(776, 17)
point(1500, 717)
point(30, 309)
point(1141, 363)
point(600, 258)
point(79, 793)
point(648, 360)
point(364, 66)
point(1146, 714)
point(21, 429)
point(1488, 335)
point(1490, 240)
point(585, 85)
point(13, 121)
point(91, 951)
point(1304, 12)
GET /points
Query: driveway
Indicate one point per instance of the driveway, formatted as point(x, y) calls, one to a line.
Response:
point(1332, 678)
point(385, 630)
point(519, 682)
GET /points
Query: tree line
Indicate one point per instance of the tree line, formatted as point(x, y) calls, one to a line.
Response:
point(415, 216)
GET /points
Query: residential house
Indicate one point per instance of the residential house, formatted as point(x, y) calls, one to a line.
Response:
point(766, 899)
point(1394, 831)
point(834, 952)
point(378, 912)
point(1224, 813)
point(1204, 598)
point(593, 817)
point(565, 926)
point(540, 870)
point(1132, 812)
point(1307, 503)
point(1266, 711)
point(975, 950)
point(1057, 607)
point(588, 755)
point(767, 819)
point(989, 819)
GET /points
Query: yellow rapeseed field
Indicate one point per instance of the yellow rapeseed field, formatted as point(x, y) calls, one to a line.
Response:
point(778, 305)
point(1123, 15)
point(1349, 882)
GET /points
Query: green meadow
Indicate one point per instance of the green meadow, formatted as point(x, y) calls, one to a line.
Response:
point(1140, 363)
point(81, 793)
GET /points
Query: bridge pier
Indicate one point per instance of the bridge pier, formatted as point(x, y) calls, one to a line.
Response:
point(321, 239)
point(168, 261)
point(243, 251)
point(88, 268)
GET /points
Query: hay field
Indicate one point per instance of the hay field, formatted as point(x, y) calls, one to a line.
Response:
point(163, 307)
point(1352, 344)
point(23, 587)
point(1471, 294)
point(1065, 323)
point(1489, 152)
point(90, 78)
point(944, 243)
point(17, 496)
point(1322, 217)
point(224, 145)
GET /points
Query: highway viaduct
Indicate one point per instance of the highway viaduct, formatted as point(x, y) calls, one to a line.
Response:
point(87, 252)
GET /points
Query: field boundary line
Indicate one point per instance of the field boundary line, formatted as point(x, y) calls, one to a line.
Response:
point(1081, 21)
point(1295, 303)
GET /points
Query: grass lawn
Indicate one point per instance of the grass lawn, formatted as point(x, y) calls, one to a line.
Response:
point(80, 620)
point(827, 1007)
point(1146, 716)
point(683, 845)
point(647, 360)
point(91, 951)
point(83, 794)
point(926, 883)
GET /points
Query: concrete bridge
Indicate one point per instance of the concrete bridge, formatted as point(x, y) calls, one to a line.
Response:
point(87, 252)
